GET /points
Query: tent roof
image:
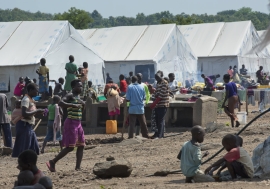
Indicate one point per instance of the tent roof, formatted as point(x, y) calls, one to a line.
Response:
point(25, 42)
point(219, 39)
point(131, 43)
point(261, 33)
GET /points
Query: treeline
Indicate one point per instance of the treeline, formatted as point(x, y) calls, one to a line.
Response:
point(81, 19)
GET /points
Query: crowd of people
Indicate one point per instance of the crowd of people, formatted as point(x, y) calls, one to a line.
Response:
point(71, 93)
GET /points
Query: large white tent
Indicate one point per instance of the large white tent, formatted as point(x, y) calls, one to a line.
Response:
point(23, 44)
point(144, 49)
point(220, 45)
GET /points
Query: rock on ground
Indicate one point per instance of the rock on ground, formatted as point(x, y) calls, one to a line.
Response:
point(114, 168)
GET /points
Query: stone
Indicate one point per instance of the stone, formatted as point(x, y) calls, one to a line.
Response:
point(110, 158)
point(162, 173)
point(212, 126)
point(88, 147)
point(114, 168)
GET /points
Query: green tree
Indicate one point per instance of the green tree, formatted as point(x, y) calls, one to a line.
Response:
point(80, 19)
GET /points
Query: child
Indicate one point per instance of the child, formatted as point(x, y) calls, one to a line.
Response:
point(43, 73)
point(91, 91)
point(73, 134)
point(237, 160)
point(54, 123)
point(18, 91)
point(223, 165)
point(27, 161)
point(43, 183)
point(58, 88)
point(17, 112)
point(84, 80)
point(25, 178)
point(232, 97)
point(190, 156)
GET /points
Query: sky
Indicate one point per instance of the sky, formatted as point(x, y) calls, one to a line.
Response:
point(130, 8)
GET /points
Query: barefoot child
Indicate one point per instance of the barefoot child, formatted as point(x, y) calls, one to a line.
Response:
point(232, 97)
point(58, 89)
point(237, 160)
point(54, 123)
point(223, 165)
point(17, 112)
point(73, 134)
point(27, 161)
point(190, 156)
point(84, 80)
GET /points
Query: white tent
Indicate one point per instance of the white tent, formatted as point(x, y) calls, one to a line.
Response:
point(220, 45)
point(144, 49)
point(23, 44)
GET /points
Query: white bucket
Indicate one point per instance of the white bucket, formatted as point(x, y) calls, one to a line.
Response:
point(242, 117)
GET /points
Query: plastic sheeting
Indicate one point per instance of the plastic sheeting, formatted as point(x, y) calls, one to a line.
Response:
point(28, 42)
point(261, 160)
point(128, 48)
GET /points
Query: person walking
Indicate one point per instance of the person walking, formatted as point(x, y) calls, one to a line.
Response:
point(135, 95)
point(161, 104)
point(5, 121)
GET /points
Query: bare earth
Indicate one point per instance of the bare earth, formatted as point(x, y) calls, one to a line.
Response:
point(146, 158)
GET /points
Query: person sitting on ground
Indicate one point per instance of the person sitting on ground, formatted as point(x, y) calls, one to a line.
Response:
point(190, 156)
point(27, 161)
point(123, 85)
point(44, 79)
point(18, 91)
point(43, 183)
point(208, 82)
point(237, 160)
point(54, 123)
point(17, 112)
point(223, 165)
point(58, 89)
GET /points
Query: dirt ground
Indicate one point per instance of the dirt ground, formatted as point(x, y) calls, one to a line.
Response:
point(146, 158)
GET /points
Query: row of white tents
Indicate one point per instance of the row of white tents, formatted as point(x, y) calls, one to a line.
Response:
point(186, 50)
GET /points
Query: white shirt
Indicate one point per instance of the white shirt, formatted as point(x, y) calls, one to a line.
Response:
point(30, 106)
point(173, 85)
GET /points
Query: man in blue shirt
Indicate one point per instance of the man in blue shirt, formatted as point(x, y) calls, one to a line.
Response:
point(135, 95)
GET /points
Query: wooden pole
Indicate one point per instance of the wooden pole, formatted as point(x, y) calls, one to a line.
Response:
point(125, 117)
point(37, 125)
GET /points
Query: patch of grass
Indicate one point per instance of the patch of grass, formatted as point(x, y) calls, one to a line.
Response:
point(54, 150)
point(227, 124)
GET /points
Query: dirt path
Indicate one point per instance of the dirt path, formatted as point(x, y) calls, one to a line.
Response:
point(146, 158)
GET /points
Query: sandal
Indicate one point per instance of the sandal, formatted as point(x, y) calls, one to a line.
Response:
point(49, 166)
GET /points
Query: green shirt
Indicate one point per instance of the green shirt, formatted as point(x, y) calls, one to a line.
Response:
point(190, 159)
point(51, 109)
point(74, 113)
point(70, 67)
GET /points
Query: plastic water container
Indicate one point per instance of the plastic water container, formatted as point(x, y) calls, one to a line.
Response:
point(242, 117)
point(111, 127)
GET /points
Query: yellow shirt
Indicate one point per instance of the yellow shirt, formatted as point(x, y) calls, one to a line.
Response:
point(43, 70)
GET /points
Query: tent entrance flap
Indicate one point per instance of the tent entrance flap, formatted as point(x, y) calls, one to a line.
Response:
point(148, 72)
